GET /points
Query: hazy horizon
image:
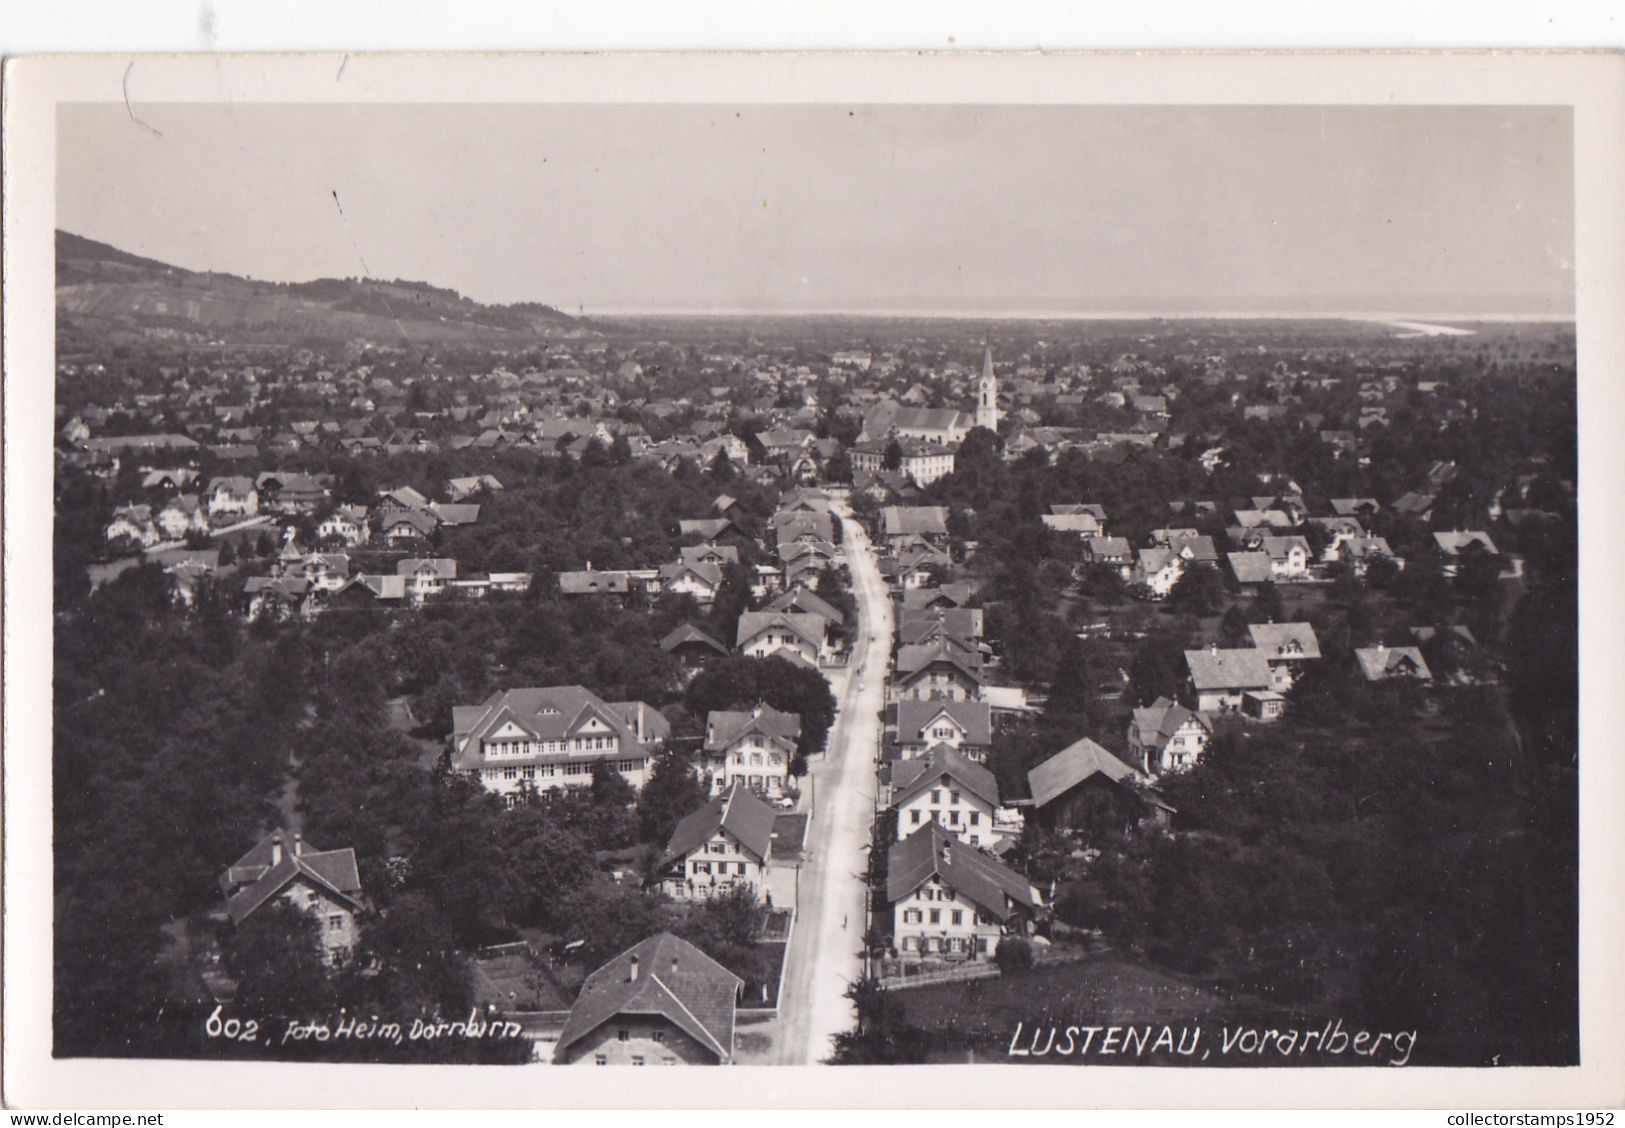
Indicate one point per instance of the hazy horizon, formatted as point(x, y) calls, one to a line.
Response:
point(957, 211)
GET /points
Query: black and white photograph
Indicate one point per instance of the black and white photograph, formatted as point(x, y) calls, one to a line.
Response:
point(828, 581)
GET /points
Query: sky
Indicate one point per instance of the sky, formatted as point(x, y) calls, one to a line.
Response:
point(970, 209)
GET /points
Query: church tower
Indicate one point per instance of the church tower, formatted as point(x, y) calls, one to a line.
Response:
point(987, 397)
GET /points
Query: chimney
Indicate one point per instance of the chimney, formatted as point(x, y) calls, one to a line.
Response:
point(1212, 648)
point(276, 848)
point(298, 844)
point(674, 966)
point(632, 974)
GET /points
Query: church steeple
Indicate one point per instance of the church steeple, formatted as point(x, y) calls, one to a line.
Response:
point(987, 396)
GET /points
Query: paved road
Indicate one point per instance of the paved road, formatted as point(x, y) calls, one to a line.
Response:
point(826, 952)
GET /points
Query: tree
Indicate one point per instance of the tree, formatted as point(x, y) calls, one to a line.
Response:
point(276, 957)
point(672, 791)
point(1070, 691)
point(1158, 670)
point(839, 469)
point(892, 458)
point(1233, 627)
point(1198, 591)
point(722, 467)
point(1014, 955)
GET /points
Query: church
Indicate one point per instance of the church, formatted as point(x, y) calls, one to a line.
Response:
point(946, 426)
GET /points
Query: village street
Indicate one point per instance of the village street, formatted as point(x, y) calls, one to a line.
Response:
point(826, 952)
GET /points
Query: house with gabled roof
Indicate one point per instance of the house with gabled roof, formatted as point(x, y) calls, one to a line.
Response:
point(1359, 553)
point(1164, 737)
point(752, 747)
point(544, 738)
point(133, 524)
point(278, 598)
point(347, 524)
point(1157, 570)
point(951, 900)
point(805, 600)
point(798, 635)
point(1384, 663)
point(661, 1002)
point(1220, 678)
point(1288, 557)
point(699, 579)
point(692, 647)
point(231, 497)
point(725, 845)
point(1083, 784)
point(901, 523)
point(949, 789)
point(965, 726)
point(326, 884)
point(1286, 647)
point(937, 671)
point(406, 526)
point(426, 577)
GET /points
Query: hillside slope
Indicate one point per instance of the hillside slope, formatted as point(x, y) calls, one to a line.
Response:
point(103, 291)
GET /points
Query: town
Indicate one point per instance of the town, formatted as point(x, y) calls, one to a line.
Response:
point(790, 690)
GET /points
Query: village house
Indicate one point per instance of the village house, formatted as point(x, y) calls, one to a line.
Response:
point(427, 577)
point(692, 647)
point(589, 582)
point(1360, 552)
point(660, 1002)
point(1166, 737)
point(325, 884)
point(699, 579)
point(949, 789)
point(725, 845)
point(278, 598)
point(1083, 787)
point(1288, 557)
point(1221, 679)
point(231, 499)
point(1453, 544)
point(181, 515)
point(1285, 646)
point(1157, 570)
point(796, 635)
point(964, 726)
point(346, 525)
point(133, 525)
point(938, 671)
point(752, 747)
point(902, 523)
point(950, 900)
point(545, 738)
point(1383, 663)
point(406, 528)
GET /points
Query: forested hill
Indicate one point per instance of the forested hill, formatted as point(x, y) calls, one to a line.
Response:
point(104, 291)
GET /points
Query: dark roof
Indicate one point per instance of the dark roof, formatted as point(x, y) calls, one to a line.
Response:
point(931, 851)
point(1074, 764)
point(738, 811)
point(252, 880)
point(689, 633)
point(674, 980)
point(1157, 722)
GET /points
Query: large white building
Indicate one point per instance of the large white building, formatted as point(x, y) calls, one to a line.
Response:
point(544, 738)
